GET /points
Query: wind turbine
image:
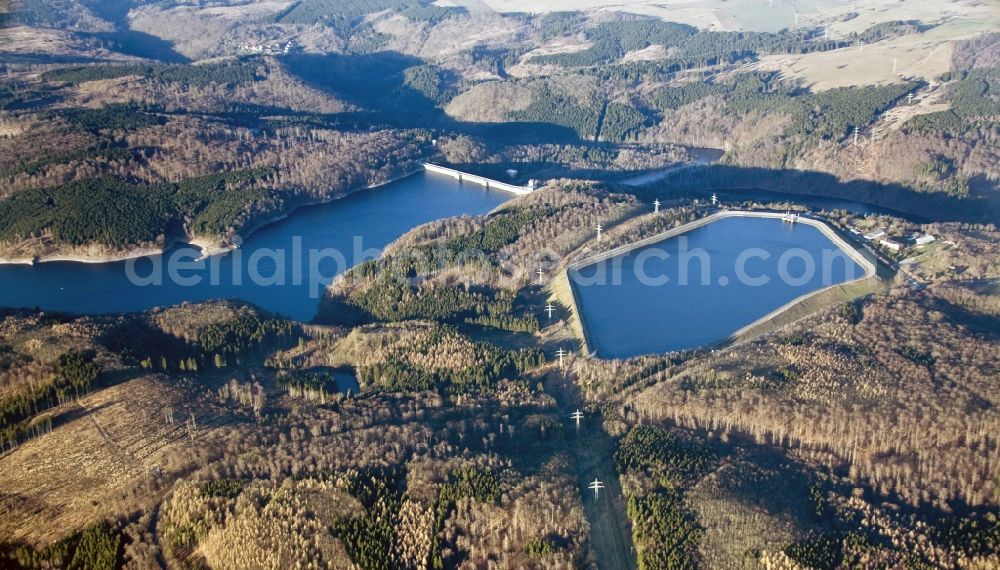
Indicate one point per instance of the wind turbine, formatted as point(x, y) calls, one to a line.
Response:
point(550, 309)
point(596, 486)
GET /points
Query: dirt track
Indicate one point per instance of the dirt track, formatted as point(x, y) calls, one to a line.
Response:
point(592, 449)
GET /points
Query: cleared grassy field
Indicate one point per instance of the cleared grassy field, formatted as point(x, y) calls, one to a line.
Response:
point(750, 505)
point(100, 446)
point(924, 56)
point(757, 15)
point(812, 304)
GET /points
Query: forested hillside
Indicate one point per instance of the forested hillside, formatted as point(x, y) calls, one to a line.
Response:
point(188, 413)
point(169, 163)
point(426, 424)
point(212, 149)
point(443, 409)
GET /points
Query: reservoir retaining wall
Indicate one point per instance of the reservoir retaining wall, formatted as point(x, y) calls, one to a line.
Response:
point(480, 180)
point(840, 242)
point(853, 253)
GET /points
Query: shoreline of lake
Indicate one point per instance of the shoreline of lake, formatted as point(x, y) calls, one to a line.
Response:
point(212, 246)
point(208, 245)
point(283, 267)
point(96, 259)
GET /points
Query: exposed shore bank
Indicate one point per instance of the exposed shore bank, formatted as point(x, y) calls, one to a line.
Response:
point(209, 245)
point(701, 157)
point(212, 245)
point(94, 258)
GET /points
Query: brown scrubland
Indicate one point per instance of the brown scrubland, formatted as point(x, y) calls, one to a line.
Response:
point(423, 421)
point(858, 434)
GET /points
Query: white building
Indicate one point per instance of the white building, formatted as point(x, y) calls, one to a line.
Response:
point(890, 244)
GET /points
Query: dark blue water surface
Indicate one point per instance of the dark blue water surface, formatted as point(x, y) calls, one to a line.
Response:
point(346, 381)
point(633, 311)
point(357, 227)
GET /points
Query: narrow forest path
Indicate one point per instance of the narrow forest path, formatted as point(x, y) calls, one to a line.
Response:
point(122, 454)
point(592, 450)
point(600, 122)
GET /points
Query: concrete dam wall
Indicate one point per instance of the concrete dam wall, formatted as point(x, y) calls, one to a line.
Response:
point(480, 180)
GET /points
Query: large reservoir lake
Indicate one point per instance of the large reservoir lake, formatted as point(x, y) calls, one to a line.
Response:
point(736, 269)
point(357, 226)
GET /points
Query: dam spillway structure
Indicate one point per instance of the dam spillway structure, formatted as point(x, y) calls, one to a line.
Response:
point(488, 183)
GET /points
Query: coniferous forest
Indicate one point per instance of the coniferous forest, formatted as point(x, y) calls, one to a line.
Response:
point(448, 406)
